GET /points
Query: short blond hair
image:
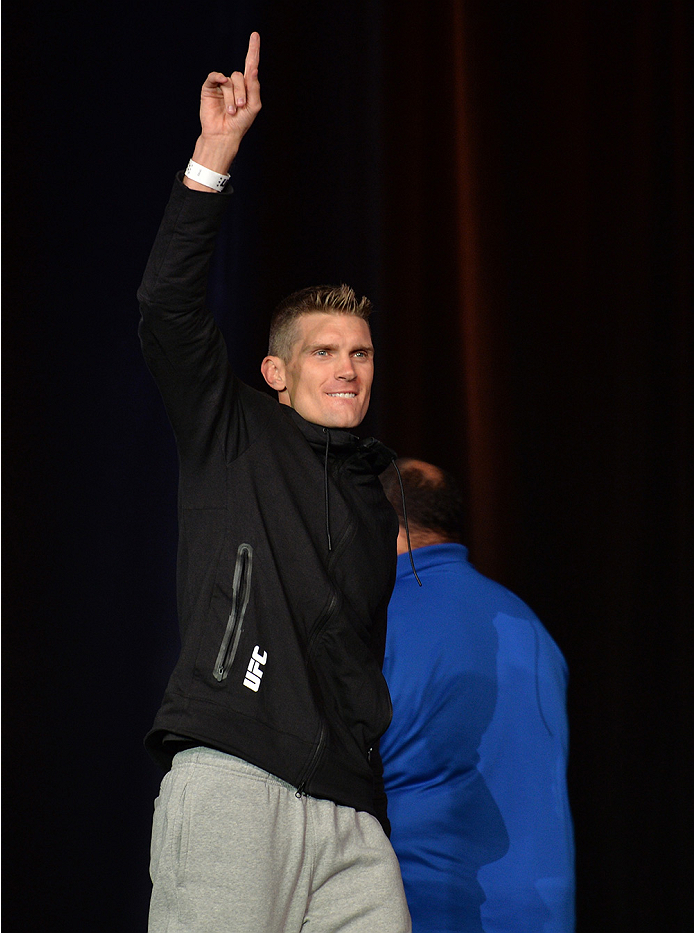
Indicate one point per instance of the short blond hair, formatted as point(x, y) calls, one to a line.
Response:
point(328, 299)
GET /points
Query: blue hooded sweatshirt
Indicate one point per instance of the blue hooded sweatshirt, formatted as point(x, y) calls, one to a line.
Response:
point(475, 758)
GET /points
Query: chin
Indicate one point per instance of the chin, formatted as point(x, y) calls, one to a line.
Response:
point(329, 417)
point(347, 417)
point(347, 425)
point(346, 421)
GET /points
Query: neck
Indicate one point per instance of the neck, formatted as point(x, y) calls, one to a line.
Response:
point(419, 537)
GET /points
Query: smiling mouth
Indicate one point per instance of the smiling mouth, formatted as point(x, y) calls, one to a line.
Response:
point(342, 394)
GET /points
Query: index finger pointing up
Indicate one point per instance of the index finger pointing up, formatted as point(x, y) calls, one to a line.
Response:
point(252, 56)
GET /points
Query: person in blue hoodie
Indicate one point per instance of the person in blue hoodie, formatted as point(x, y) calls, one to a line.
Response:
point(475, 758)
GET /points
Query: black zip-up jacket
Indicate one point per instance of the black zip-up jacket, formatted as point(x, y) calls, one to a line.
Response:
point(287, 551)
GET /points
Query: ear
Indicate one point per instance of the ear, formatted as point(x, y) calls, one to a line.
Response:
point(272, 369)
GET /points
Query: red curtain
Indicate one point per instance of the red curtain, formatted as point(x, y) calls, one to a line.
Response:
point(537, 338)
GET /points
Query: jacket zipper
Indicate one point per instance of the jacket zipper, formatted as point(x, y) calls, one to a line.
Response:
point(241, 592)
point(315, 759)
point(313, 762)
point(327, 614)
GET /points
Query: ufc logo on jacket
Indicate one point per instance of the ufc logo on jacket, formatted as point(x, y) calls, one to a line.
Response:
point(254, 673)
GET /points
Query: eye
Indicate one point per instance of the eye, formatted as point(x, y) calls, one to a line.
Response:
point(321, 352)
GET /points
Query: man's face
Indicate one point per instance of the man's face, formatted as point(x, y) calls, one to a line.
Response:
point(329, 374)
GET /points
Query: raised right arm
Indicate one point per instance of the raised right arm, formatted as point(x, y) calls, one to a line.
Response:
point(180, 340)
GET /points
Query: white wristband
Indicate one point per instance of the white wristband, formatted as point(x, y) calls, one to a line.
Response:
point(206, 176)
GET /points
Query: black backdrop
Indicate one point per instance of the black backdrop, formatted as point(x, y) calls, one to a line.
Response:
point(511, 183)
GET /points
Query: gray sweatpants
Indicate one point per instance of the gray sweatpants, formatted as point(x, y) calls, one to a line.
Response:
point(234, 850)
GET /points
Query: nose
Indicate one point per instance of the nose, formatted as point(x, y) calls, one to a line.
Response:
point(345, 369)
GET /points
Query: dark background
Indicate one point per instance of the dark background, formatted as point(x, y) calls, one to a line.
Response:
point(511, 183)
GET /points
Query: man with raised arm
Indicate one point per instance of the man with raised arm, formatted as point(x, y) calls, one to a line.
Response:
point(272, 812)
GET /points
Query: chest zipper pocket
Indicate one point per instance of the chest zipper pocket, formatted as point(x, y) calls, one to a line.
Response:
point(240, 594)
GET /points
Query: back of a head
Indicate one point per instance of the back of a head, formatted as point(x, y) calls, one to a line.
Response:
point(433, 498)
point(328, 299)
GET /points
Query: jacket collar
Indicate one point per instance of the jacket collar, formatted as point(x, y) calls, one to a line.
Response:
point(371, 453)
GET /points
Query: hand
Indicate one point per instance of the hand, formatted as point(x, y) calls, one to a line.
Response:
point(228, 107)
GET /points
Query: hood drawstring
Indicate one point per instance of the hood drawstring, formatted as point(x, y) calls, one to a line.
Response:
point(404, 515)
point(327, 498)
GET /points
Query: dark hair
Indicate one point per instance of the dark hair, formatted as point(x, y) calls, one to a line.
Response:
point(433, 498)
point(329, 299)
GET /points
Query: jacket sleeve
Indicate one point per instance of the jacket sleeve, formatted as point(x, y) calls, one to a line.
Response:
point(380, 797)
point(378, 646)
point(181, 342)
